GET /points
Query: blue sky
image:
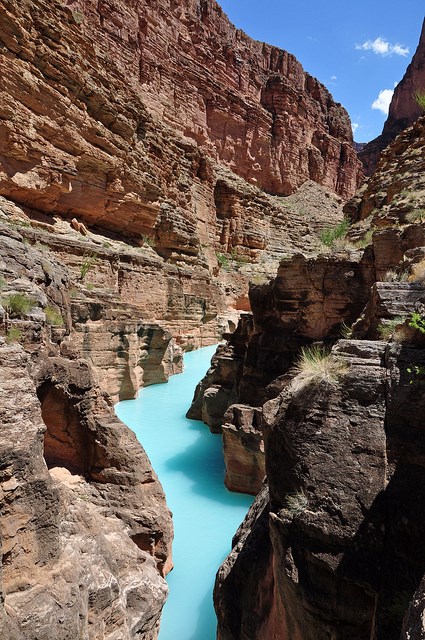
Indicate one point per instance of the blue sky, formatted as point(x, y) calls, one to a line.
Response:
point(357, 49)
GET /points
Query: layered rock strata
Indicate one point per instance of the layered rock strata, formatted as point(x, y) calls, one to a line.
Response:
point(403, 111)
point(334, 549)
point(111, 119)
point(85, 530)
point(88, 85)
point(309, 300)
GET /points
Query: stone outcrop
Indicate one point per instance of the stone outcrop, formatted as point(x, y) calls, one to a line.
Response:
point(334, 549)
point(85, 530)
point(395, 191)
point(89, 85)
point(310, 299)
point(403, 110)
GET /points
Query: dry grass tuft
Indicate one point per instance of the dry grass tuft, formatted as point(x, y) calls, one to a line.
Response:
point(418, 272)
point(318, 365)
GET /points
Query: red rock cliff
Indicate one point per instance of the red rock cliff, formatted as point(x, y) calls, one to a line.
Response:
point(404, 109)
point(92, 90)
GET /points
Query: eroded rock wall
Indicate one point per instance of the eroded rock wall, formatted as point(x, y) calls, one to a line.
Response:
point(85, 530)
point(403, 110)
point(339, 537)
point(89, 84)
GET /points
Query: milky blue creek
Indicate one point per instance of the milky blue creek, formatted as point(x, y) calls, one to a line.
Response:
point(188, 461)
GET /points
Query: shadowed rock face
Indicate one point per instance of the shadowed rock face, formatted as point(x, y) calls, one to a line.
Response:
point(85, 530)
point(308, 300)
point(339, 539)
point(403, 111)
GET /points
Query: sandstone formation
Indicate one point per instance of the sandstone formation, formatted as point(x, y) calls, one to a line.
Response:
point(403, 110)
point(85, 530)
point(331, 546)
point(83, 516)
point(310, 299)
point(166, 129)
point(153, 159)
point(124, 106)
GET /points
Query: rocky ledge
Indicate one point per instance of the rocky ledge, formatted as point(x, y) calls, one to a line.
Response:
point(86, 535)
point(332, 544)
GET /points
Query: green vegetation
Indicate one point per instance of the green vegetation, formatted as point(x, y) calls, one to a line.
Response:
point(296, 503)
point(13, 335)
point(417, 321)
point(53, 317)
point(239, 258)
point(329, 236)
point(417, 215)
point(148, 241)
point(386, 330)
point(18, 304)
point(223, 260)
point(87, 265)
point(366, 240)
point(316, 364)
point(419, 97)
point(417, 373)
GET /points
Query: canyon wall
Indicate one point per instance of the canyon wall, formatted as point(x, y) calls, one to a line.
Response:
point(85, 529)
point(403, 110)
point(153, 160)
point(108, 109)
point(331, 546)
point(148, 146)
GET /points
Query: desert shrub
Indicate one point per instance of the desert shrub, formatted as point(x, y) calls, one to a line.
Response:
point(223, 260)
point(317, 364)
point(329, 236)
point(365, 241)
point(417, 321)
point(395, 275)
point(345, 330)
point(296, 503)
point(148, 241)
point(87, 265)
point(419, 97)
point(386, 330)
point(13, 335)
point(53, 317)
point(18, 304)
point(417, 215)
point(417, 374)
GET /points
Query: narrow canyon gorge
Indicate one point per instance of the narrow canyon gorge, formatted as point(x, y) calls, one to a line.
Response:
point(168, 183)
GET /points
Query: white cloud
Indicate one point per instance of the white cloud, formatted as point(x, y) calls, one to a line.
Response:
point(354, 126)
point(383, 47)
point(334, 78)
point(382, 102)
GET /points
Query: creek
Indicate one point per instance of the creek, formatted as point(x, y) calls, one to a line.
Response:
point(189, 463)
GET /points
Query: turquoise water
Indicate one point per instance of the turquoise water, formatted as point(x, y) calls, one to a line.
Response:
point(188, 461)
